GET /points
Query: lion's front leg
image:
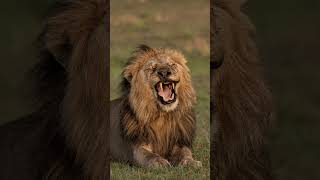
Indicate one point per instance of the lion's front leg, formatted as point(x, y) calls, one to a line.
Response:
point(143, 156)
point(183, 156)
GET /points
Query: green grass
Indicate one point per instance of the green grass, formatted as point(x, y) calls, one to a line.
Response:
point(183, 25)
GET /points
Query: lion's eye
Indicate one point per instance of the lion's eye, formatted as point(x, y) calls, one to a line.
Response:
point(153, 67)
point(173, 65)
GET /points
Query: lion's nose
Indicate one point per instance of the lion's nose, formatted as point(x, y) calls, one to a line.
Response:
point(164, 72)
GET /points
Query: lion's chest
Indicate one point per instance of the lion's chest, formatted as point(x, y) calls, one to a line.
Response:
point(162, 135)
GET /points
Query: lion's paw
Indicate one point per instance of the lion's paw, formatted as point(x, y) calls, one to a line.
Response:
point(190, 162)
point(159, 162)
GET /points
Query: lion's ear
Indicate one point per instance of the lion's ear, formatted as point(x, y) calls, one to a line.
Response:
point(144, 48)
point(59, 47)
point(127, 74)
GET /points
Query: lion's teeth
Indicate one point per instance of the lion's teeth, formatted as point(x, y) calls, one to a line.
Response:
point(173, 85)
point(161, 87)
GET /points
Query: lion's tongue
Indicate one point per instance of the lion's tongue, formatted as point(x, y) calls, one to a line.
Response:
point(165, 92)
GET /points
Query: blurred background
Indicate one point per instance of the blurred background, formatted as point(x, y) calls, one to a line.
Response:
point(288, 38)
point(289, 42)
point(21, 22)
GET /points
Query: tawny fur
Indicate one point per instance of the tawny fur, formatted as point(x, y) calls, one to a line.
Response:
point(241, 101)
point(143, 131)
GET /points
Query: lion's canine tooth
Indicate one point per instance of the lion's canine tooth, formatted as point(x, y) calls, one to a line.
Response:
point(172, 85)
point(161, 86)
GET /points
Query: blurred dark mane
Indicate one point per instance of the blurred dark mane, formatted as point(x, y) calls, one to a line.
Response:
point(241, 100)
point(71, 87)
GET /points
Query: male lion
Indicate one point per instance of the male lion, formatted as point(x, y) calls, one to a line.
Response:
point(67, 134)
point(152, 123)
point(241, 101)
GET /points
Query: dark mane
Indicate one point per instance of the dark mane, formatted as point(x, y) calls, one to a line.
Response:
point(124, 84)
point(241, 100)
point(71, 82)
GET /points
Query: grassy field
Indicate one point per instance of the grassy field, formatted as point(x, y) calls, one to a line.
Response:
point(183, 25)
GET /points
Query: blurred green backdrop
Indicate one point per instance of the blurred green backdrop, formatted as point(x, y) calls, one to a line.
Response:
point(21, 22)
point(288, 37)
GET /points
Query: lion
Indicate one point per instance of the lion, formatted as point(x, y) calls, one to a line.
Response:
point(67, 134)
point(241, 101)
point(152, 123)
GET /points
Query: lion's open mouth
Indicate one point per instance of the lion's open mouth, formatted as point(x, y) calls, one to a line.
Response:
point(166, 92)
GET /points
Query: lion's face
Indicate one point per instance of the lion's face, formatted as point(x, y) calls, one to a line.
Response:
point(159, 79)
point(162, 75)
